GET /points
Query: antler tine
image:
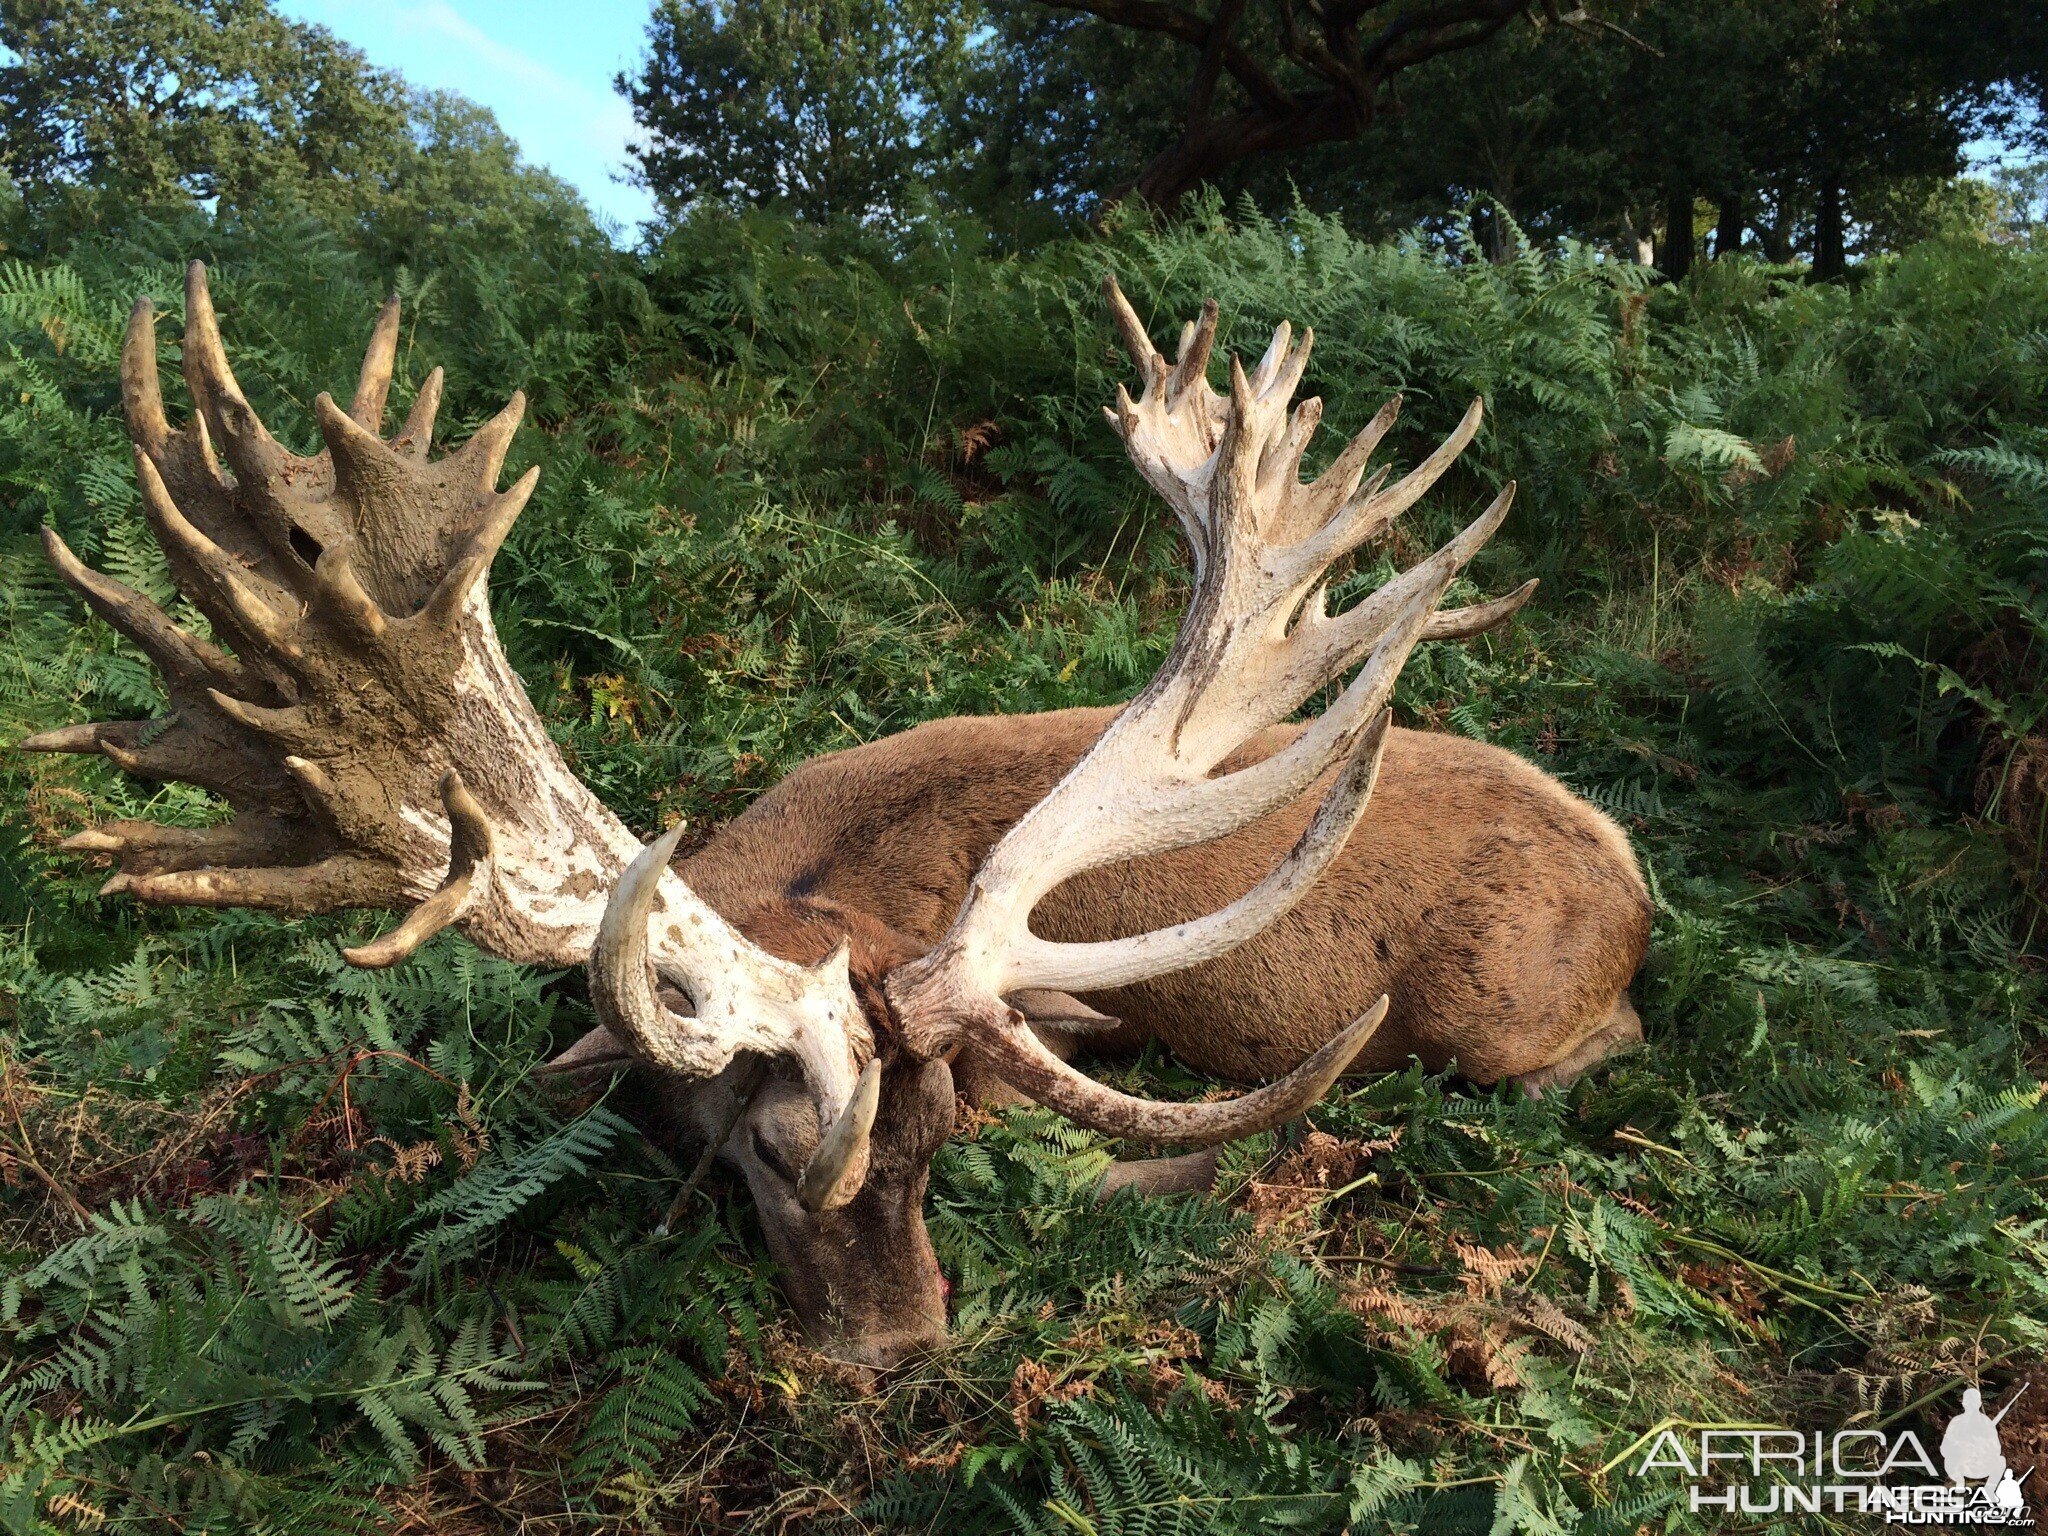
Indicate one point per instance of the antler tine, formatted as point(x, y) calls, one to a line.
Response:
point(1131, 330)
point(417, 435)
point(373, 384)
point(184, 659)
point(175, 848)
point(472, 852)
point(474, 559)
point(1026, 1065)
point(142, 397)
point(233, 422)
point(1256, 642)
point(1312, 506)
point(745, 999)
point(1357, 518)
point(1325, 646)
point(290, 890)
point(1464, 623)
point(484, 454)
point(227, 598)
point(1191, 367)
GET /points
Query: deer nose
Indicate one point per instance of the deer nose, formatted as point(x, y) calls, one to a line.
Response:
point(889, 1349)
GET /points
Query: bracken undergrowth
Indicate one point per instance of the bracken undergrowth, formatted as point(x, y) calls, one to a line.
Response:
point(287, 1246)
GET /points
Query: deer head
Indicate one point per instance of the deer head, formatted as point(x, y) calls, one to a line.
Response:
point(378, 751)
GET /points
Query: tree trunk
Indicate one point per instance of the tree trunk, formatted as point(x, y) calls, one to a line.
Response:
point(1830, 258)
point(1729, 226)
point(1493, 232)
point(1676, 259)
point(1205, 150)
point(1776, 236)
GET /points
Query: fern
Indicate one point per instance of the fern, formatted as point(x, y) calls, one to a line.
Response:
point(334, 1248)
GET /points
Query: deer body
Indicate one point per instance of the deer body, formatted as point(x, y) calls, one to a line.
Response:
point(1502, 915)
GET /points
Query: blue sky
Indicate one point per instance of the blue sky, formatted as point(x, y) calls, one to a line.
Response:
point(544, 69)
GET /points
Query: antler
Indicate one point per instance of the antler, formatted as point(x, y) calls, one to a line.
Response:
point(374, 744)
point(768, 1001)
point(1257, 640)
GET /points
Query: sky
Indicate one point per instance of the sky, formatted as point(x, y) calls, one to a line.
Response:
point(544, 69)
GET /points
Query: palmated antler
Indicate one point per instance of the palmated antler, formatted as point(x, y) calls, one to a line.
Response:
point(362, 722)
point(1256, 642)
point(375, 746)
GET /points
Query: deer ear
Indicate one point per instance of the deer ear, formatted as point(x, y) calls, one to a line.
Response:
point(598, 1051)
point(1059, 1010)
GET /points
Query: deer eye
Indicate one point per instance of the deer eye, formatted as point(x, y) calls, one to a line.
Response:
point(765, 1150)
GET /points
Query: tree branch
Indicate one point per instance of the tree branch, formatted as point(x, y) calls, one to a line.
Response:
point(1203, 96)
point(1483, 18)
point(1173, 21)
point(1279, 119)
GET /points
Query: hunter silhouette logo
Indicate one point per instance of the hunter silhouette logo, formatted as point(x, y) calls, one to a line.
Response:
point(1750, 1471)
point(1971, 1452)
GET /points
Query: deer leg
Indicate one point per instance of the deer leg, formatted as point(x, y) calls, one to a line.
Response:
point(1620, 1031)
point(1189, 1174)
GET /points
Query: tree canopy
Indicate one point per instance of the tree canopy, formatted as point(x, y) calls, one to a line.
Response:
point(1818, 126)
point(163, 104)
point(208, 99)
point(1788, 118)
point(828, 108)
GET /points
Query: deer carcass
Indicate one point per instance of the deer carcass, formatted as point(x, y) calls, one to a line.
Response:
point(971, 896)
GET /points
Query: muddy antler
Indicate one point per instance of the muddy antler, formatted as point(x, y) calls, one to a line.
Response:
point(1257, 641)
point(376, 747)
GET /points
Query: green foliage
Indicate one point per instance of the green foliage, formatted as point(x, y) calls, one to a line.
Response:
point(111, 116)
point(292, 1246)
point(171, 98)
point(824, 108)
point(1576, 121)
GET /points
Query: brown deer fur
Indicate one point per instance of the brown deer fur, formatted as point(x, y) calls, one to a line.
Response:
point(1503, 915)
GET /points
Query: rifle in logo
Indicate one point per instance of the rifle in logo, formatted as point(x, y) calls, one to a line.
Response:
point(1972, 1453)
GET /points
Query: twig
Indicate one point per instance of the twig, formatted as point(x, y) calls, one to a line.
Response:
point(78, 1211)
point(1400, 1266)
point(743, 1094)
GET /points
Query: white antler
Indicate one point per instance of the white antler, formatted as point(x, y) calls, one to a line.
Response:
point(742, 998)
point(1256, 642)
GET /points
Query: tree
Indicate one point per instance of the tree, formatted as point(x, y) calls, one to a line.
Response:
point(1627, 124)
point(1269, 80)
point(823, 107)
point(459, 177)
point(1053, 112)
point(162, 104)
point(164, 100)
